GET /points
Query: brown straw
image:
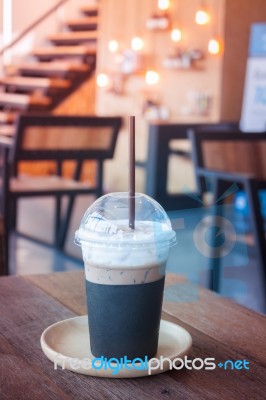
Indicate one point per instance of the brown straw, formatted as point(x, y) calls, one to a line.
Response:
point(132, 172)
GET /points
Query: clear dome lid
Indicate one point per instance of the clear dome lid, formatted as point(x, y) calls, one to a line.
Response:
point(106, 221)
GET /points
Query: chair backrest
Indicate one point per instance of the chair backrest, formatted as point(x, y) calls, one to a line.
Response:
point(230, 152)
point(161, 137)
point(58, 138)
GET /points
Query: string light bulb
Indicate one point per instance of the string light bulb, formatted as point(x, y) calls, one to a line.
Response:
point(113, 46)
point(152, 77)
point(202, 16)
point(137, 43)
point(214, 46)
point(163, 4)
point(176, 35)
point(103, 80)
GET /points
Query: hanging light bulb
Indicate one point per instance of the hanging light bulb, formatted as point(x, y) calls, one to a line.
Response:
point(103, 80)
point(152, 77)
point(137, 43)
point(214, 46)
point(176, 35)
point(202, 16)
point(163, 4)
point(113, 46)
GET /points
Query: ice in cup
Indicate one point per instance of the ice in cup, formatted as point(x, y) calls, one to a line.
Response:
point(125, 272)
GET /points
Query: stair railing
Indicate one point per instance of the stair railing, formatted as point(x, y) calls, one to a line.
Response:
point(32, 26)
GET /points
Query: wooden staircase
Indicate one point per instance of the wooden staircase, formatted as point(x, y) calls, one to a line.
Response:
point(73, 38)
point(53, 71)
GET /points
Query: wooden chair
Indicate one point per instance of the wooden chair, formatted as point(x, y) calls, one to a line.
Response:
point(159, 151)
point(56, 138)
point(226, 158)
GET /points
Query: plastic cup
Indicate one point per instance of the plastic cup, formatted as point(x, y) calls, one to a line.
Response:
point(124, 271)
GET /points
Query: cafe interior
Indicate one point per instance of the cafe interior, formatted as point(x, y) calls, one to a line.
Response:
point(78, 69)
point(161, 97)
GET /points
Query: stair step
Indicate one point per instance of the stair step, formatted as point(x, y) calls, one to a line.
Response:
point(29, 83)
point(23, 101)
point(89, 10)
point(7, 130)
point(64, 51)
point(86, 23)
point(7, 117)
point(68, 38)
point(55, 68)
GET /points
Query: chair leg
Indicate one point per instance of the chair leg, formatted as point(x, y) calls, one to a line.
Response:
point(7, 229)
point(7, 201)
point(99, 179)
point(6, 237)
point(215, 258)
point(257, 225)
point(65, 223)
point(13, 214)
point(66, 220)
point(4, 249)
point(57, 221)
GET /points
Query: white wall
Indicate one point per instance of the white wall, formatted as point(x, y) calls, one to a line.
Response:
point(25, 12)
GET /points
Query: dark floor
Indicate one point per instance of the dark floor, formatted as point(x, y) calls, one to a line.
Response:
point(241, 276)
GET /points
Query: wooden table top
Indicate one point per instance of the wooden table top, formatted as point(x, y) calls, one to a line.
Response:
point(219, 328)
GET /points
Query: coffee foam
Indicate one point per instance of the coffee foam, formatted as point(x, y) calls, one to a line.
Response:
point(105, 276)
point(124, 266)
point(122, 256)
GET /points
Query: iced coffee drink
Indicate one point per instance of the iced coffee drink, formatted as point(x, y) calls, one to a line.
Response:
point(124, 271)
